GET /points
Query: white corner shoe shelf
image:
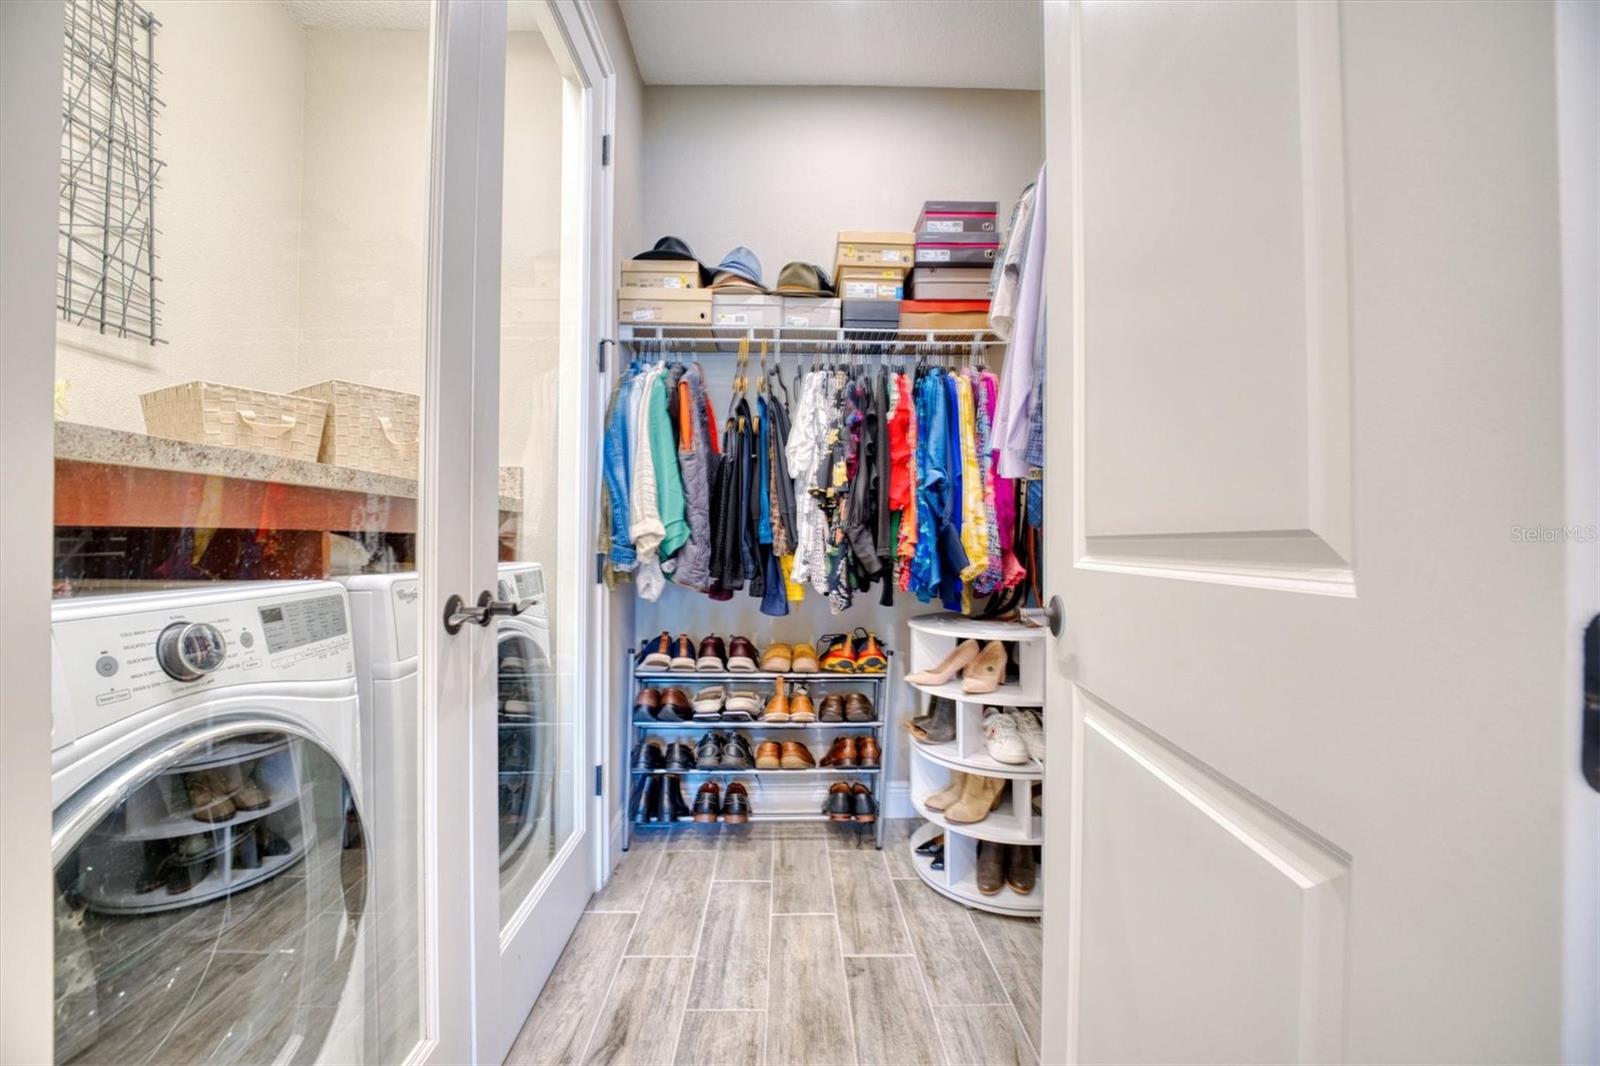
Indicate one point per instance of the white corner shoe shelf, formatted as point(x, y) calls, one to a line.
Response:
point(1014, 821)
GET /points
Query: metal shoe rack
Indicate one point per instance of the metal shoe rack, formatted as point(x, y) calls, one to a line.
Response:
point(638, 729)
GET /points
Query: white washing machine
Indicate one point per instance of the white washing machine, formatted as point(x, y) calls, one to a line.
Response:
point(208, 836)
point(532, 806)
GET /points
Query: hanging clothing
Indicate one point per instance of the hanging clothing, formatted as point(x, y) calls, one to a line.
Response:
point(694, 463)
point(1024, 357)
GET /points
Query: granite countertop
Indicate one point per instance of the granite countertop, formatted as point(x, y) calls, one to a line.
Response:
point(119, 447)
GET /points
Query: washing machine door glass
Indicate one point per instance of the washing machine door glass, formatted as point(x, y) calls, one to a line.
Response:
point(530, 824)
point(210, 894)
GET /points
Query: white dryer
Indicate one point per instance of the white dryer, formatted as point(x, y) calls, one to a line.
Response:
point(208, 827)
point(533, 807)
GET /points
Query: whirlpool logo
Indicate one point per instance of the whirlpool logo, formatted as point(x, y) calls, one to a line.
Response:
point(406, 594)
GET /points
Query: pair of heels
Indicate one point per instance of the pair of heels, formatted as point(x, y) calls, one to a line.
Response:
point(981, 670)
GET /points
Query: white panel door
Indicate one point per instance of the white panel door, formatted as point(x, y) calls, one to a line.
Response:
point(1316, 700)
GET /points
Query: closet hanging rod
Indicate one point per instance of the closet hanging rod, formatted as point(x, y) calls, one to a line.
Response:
point(722, 340)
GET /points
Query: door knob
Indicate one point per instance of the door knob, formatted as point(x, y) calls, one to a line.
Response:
point(1055, 615)
point(458, 614)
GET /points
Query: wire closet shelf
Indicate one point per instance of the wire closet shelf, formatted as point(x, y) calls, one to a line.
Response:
point(700, 340)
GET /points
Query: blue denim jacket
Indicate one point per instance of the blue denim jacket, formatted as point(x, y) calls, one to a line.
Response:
point(623, 557)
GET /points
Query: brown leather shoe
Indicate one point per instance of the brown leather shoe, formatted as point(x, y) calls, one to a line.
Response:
point(863, 805)
point(1021, 870)
point(708, 802)
point(842, 754)
point(991, 862)
point(769, 755)
point(800, 709)
point(736, 804)
point(676, 706)
point(741, 655)
point(857, 708)
point(713, 655)
point(777, 704)
point(831, 709)
point(796, 756)
point(838, 806)
point(867, 753)
point(683, 654)
point(646, 703)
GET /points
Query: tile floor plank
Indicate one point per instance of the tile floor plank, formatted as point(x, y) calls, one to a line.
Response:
point(721, 1038)
point(694, 836)
point(800, 877)
point(893, 1023)
point(869, 918)
point(630, 876)
point(989, 1035)
point(730, 971)
point(951, 954)
point(807, 1016)
point(669, 922)
point(897, 846)
point(559, 1025)
point(743, 856)
point(639, 1024)
point(1016, 948)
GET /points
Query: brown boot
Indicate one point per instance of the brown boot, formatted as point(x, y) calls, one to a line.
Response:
point(980, 796)
point(985, 673)
point(843, 753)
point(867, 753)
point(1022, 871)
point(991, 860)
point(207, 798)
point(942, 799)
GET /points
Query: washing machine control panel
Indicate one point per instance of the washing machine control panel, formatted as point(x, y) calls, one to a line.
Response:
point(117, 664)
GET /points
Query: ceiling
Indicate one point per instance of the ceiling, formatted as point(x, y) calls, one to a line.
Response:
point(965, 44)
point(389, 14)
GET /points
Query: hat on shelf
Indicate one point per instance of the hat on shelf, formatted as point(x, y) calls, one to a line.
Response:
point(739, 269)
point(677, 249)
point(803, 279)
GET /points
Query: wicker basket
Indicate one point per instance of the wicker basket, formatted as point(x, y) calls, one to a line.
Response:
point(368, 428)
point(204, 412)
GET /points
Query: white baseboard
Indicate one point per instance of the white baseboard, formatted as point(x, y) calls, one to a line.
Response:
point(897, 803)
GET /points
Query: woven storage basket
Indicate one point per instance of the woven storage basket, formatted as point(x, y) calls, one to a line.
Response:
point(204, 412)
point(368, 428)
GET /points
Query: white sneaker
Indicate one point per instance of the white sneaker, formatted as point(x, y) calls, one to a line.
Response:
point(1031, 727)
point(1003, 740)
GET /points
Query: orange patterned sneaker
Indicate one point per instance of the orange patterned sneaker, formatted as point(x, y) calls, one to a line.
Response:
point(869, 655)
point(837, 659)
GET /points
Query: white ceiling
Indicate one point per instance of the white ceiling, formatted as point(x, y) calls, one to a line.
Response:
point(389, 14)
point(965, 44)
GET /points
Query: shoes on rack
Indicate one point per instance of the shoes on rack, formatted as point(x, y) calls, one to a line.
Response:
point(736, 753)
point(863, 804)
point(708, 703)
point(246, 856)
point(931, 845)
point(647, 703)
point(1002, 738)
point(708, 752)
point(836, 655)
point(951, 665)
point(680, 756)
point(736, 804)
point(769, 755)
point(868, 653)
point(831, 709)
point(656, 652)
point(154, 872)
point(1022, 868)
point(868, 755)
point(777, 704)
point(938, 727)
point(800, 708)
point(675, 706)
point(980, 795)
point(208, 800)
point(1031, 726)
point(796, 756)
point(250, 796)
point(991, 875)
point(270, 844)
point(181, 877)
point(672, 798)
point(947, 796)
point(652, 755)
point(647, 800)
point(1038, 798)
point(840, 805)
point(985, 673)
point(858, 708)
point(777, 659)
point(708, 802)
point(742, 706)
point(741, 655)
point(842, 754)
point(803, 659)
point(713, 655)
point(938, 858)
point(683, 654)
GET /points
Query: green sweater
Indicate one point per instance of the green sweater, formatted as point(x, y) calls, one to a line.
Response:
point(664, 458)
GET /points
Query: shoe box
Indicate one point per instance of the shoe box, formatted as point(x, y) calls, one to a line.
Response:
point(950, 283)
point(747, 309)
point(659, 274)
point(665, 306)
point(869, 283)
point(874, 248)
point(817, 312)
point(944, 314)
point(870, 314)
point(941, 218)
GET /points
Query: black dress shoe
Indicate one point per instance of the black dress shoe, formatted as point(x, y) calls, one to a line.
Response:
point(931, 845)
point(838, 806)
point(641, 785)
point(736, 804)
point(938, 860)
point(708, 802)
point(653, 805)
point(650, 756)
point(708, 753)
point(672, 799)
point(736, 753)
point(680, 756)
point(863, 805)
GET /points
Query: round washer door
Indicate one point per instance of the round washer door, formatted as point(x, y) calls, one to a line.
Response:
point(210, 891)
point(527, 745)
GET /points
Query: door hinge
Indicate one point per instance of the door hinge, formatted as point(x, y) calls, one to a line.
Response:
point(1590, 751)
point(599, 568)
point(600, 353)
point(605, 149)
point(599, 778)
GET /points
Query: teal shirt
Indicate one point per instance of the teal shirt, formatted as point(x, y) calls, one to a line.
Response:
point(664, 458)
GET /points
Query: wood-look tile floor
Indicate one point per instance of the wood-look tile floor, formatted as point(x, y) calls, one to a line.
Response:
point(780, 943)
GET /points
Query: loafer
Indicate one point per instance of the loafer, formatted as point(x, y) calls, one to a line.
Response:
point(656, 653)
point(868, 754)
point(652, 755)
point(842, 754)
point(646, 703)
point(863, 805)
point(708, 703)
point(800, 708)
point(741, 656)
point(680, 756)
point(736, 804)
point(713, 655)
point(708, 802)
point(769, 755)
point(868, 654)
point(736, 753)
point(708, 753)
point(742, 706)
point(777, 659)
point(831, 709)
point(777, 704)
point(858, 708)
point(796, 756)
point(675, 706)
point(839, 806)
point(803, 658)
point(683, 654)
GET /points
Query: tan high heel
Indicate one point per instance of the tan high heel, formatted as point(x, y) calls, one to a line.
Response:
point(965, 653)
point(979, 797)
point(985, 673)
point(943, 798)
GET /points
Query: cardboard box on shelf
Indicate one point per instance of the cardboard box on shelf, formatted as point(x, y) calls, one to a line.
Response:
point(944, 314)
point(670, 307)
point(659, 274)
point(941, 217)
point(950, 283)
point(874, 248)
point(870, 288)
point(951, 253)
point(744, 308)
point(960, 207)
point(870, 314)
point(814, 312)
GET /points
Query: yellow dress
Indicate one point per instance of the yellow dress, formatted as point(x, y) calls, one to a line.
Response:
point(974, 525)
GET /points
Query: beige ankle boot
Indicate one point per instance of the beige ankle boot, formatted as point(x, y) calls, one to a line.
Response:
point(985, 672)
point(965, 652)
point(947, 795)
point(980, 796)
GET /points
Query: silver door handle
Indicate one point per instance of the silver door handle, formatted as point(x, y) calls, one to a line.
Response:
point(458, 614)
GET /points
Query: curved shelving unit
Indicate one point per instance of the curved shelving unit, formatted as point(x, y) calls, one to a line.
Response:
point(1010, 694)
point(1003, 825)
point(214, 885)
point(182, 825)
point(229, 753)
point(949, 756)
point(963, 888)
point(1032, 627)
